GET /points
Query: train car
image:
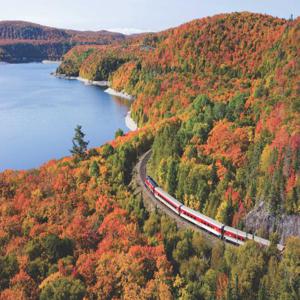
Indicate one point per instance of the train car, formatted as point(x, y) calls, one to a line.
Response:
point(168, 200)
point(267, 243)
point(150, 184)
point(236, 236)
point(230, 234)
point(202, 221)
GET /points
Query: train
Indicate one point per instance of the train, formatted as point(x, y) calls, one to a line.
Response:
point(218, 229)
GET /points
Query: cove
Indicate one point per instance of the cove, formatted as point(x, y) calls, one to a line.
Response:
point(38, 114)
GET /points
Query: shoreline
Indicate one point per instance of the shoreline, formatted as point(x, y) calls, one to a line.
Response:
point(102, 83)
point(119, 94)
point(130, 123)
point(83, 80)
point(47, 61)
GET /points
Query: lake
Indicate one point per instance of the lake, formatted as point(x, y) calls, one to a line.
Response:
point(38, 114)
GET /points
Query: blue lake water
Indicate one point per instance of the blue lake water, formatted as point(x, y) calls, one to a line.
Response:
point(38, 114)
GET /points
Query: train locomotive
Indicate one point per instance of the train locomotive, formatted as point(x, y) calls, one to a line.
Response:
point(230, 234)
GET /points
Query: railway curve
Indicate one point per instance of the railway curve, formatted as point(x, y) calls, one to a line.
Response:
point(151, 203)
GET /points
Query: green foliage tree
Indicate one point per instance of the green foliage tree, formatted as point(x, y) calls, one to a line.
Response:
point(249, 269)
point(79, 144)
point(214, 175)
point(172, 176)
point(107, 150)
point(289, 270)
point(94, 169)
point(38, 269)
point(56, 248)
point(152, 225)
point(8, 268)
point(64, 288)
point(119, 132)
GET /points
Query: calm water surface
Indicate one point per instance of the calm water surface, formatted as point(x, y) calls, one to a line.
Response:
point(38, 114)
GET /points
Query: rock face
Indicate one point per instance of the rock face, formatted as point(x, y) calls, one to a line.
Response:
point(26, 42)
point(261, 219)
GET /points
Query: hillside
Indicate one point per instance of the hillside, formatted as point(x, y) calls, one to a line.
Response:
point(25, 42)
point(77, 228)
point(228, 85)
point(217, 101)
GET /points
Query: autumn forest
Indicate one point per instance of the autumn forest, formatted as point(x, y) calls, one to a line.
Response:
point(218, 102)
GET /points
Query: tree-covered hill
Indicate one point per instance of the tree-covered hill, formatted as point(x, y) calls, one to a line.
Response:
point(229, 85)
point(217, 100)
point(76, 229)
point(25, 42)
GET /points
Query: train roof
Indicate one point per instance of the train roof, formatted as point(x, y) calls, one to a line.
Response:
point(262, 240)
point(152, 180)
point(237, 231)
point(161, 191)
point(205, 218)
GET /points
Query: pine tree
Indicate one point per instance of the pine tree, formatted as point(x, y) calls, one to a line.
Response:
point(236, 288)
point(229, 292)
point(119, 132)
point(79, 144)
point(214, 175)
point(172, 176)
point(262, 295)
point(94, 169)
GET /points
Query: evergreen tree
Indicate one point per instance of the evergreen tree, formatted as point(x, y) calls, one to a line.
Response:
point(172, 176)
point(94, 169)
point(119, 132)
point(236, 287)
point(214, 175)
point(229, 292)
point(262, 295)
point(79, 144)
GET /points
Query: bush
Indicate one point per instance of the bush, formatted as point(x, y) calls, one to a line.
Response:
point(57, 248)
point(8, 268)
point(63, 289)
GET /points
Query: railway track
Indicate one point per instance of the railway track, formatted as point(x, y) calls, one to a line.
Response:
point(151, 203)
point(184, 216)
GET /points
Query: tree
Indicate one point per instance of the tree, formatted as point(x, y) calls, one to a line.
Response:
point(94, 169)
point(214, 175)
point(107, 150)
point(56, 248)
point(172, 176)
point(119, 132)
point(79, 144)
point(249, 269)
point(62, 289)
point(289, 270)
point(8, 268)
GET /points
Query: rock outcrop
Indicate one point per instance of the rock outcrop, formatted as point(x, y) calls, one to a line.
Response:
point(260, 219)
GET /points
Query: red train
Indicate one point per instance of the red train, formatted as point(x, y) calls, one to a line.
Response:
point(212, 226)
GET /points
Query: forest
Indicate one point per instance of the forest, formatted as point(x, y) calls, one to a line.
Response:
point(228, 87)
point(217, 101)
point(76, 228)
point(28, 42)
